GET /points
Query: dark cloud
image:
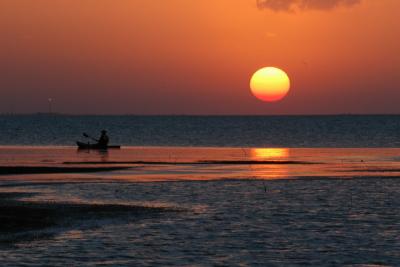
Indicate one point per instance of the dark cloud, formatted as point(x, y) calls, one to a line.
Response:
point(292, 5)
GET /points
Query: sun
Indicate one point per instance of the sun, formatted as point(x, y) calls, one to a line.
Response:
point(270, 84)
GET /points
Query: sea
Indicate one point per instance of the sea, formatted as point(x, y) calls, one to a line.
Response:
point(205, 131)
point(200, 191)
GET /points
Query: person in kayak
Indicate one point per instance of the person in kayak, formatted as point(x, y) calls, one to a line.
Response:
point(103, 140)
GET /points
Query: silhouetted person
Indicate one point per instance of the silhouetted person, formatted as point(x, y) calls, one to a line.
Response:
point(103, 140)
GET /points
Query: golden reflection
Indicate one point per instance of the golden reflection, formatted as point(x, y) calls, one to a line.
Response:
point(269, 153)
point(270, 171)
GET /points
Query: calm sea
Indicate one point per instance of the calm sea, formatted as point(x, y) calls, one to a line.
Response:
point(208, 131)
point(333, 206)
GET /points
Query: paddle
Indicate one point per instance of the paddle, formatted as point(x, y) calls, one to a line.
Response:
point(88, 136)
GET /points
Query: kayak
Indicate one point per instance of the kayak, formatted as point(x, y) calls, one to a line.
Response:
point(82, 145)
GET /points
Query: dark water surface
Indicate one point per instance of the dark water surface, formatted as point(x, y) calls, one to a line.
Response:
point(206, 131)
point(273, 191)
point(342, 210)
point(223, 223)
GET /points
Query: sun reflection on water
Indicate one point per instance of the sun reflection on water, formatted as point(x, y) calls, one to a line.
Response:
point(270, 171)
point(269, 153)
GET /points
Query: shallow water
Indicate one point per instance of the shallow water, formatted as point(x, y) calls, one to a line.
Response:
point(177, 163)
point(216, 214)
point(317, 222)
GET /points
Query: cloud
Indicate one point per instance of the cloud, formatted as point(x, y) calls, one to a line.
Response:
point(293, 5)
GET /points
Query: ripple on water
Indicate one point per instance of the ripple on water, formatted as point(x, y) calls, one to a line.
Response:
point(309, 222)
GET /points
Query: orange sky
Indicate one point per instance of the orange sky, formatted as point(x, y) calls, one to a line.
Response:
point(196, 57)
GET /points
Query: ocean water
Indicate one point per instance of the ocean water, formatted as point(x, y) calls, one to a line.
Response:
point(323, 207)
point(253, 218)
point(201, 191)
point(223, 223)
point(205, 131)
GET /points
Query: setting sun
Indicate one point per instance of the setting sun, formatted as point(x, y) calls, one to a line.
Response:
point(266, 132)
point(270, 84)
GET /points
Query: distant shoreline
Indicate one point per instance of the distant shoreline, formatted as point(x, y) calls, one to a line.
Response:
point(200, 115)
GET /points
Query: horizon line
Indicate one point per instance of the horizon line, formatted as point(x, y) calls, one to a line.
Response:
point(193, 115)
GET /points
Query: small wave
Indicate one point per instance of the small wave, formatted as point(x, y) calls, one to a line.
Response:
point(368, 265)
point(12, 170)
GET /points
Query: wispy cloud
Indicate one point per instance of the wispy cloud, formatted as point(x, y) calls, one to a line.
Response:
point(293, 5)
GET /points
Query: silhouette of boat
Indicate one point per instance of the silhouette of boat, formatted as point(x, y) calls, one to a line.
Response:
point(82, 145)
